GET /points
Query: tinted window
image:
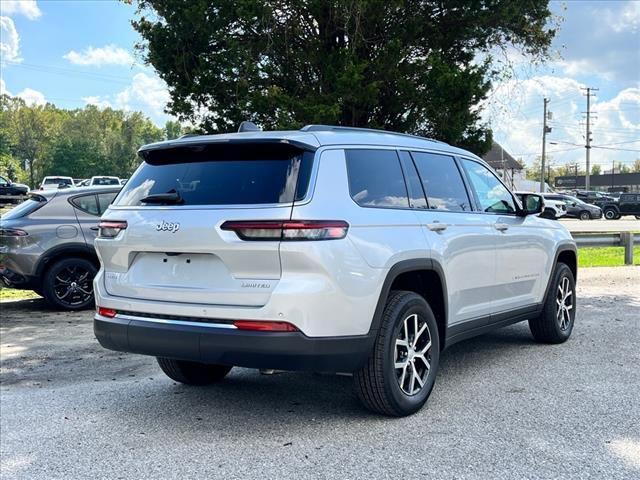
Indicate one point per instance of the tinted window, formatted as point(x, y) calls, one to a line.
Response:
point(493, 196)
point(105, 181)
point(87, 203)
point(57, 181)
point(104, 200)
point(627, 198)
point(222, 175)
point(414, 186)
point(442, 182)
point(375, 178)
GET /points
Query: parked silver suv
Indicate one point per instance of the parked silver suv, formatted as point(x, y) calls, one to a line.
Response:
point(326, 249)
point(47, 244)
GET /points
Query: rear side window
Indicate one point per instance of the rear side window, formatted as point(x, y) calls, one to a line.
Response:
point(375, 178)
point(221, 174)
point(86, 203)
point(442, 182)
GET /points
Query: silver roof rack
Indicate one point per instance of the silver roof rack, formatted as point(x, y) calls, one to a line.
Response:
point(333, 128)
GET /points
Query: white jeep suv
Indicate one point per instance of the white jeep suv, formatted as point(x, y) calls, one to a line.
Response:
point(326, 249)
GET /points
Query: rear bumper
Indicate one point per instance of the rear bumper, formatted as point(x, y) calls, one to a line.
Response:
point(224, 344)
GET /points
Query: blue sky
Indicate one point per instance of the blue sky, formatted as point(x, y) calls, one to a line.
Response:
point(76, 52)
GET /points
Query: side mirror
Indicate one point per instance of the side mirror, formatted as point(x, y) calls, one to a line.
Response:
point(532, 204)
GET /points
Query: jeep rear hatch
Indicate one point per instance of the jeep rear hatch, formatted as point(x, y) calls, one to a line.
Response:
point(170, 245)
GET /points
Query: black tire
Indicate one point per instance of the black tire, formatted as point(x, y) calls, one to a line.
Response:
point(377, 384)
point(76, 275)
point(584, 215)
point(637, 217)
point(192, 373)
point(611, 214)
point(550, 327)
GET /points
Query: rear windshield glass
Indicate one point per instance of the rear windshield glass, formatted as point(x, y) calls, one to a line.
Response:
point(106, 181)
point(57, 181)
point(25, 208)
point(227, 174)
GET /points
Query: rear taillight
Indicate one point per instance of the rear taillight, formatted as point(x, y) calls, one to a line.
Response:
point(12, 232)
point(111, 228)
point(264, 326)
point(106, 312)
point(288, 229)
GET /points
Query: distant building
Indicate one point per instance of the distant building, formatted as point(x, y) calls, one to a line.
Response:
point(608, 182)
point(512, 173)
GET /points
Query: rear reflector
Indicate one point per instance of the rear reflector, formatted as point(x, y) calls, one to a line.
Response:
point(264, 326)
point(106, 312)
point(111, 228)
point(288, 229)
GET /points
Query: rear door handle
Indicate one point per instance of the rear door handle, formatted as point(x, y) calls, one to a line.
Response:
point(501, 226)
point(437, 226)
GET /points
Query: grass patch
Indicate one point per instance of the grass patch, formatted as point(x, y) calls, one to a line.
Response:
point(605, 256)
point(11, 294)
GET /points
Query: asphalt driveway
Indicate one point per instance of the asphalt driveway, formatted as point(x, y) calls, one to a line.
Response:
point(503, 406)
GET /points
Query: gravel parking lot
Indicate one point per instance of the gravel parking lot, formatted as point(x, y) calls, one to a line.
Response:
point(503, 407)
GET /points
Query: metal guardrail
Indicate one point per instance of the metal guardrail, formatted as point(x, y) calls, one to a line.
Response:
point(609, 239)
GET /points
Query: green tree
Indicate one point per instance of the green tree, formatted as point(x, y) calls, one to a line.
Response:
point(408, 66)
point(636, 166)
point(172, 129)
point(595, 169)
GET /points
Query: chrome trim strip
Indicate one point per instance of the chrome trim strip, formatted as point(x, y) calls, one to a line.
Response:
point(176, 322)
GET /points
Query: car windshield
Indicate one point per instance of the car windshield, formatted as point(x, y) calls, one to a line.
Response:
point(574, 199)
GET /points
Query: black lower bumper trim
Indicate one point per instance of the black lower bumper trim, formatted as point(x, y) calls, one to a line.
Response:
point(277, 350)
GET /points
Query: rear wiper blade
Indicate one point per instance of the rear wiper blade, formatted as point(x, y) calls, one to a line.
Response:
point(169, 197)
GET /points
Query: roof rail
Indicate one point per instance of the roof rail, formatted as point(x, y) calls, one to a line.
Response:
point(187, 135)
point(331, 128)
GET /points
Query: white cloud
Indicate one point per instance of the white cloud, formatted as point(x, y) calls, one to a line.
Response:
point(3, 88)
point(145, 90)
point(28, 8)
point(107, 55)
point(514, 112)
point(97, 101)
point(32, 97)
point(10, 43)
point(147, 93)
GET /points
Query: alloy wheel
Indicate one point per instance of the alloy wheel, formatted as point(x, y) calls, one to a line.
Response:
point(73, 285)
point(564, 301)
point(412, 360)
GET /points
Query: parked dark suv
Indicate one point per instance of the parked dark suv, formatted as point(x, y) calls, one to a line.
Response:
point(47, 244)
point(7, 187)
point(627, 204)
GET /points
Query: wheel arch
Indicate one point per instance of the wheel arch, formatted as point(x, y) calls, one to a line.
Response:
point(568, 254)
point(422, 276)
point(80, 250)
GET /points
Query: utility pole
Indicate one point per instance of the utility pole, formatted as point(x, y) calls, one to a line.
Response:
point(545, 130)
point(587, 146)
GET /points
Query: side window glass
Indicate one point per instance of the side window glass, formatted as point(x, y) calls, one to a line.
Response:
point(442, 182)
point(416, 193)
point(104, 200)
point(375, 178)
point(492, 195)
point(87, 203)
